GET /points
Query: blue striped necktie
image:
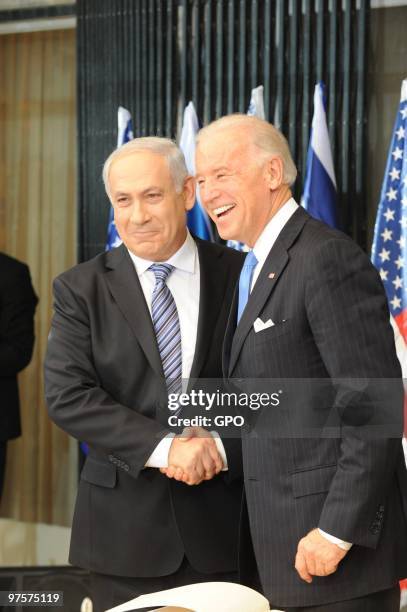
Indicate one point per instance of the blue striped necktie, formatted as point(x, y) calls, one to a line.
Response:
point(167, 329)
point(245, 280)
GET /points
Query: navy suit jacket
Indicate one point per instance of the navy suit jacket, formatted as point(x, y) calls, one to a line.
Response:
point(329, 455)
point(105, 386)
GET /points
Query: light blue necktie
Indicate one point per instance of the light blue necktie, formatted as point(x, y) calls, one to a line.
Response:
point(167, 329)
point(245, 281)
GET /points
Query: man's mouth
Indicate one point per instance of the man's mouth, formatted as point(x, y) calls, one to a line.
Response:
point(223, 210)
point(141, 234)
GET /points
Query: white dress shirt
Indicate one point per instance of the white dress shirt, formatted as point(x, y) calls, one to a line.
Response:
point(261, 250)
point(184, 284)
point(269, 235)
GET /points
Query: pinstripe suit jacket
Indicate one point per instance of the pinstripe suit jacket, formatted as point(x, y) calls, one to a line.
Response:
point(322, 457)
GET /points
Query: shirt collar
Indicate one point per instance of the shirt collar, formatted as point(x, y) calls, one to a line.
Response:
point(273, 228)
point(184, 259)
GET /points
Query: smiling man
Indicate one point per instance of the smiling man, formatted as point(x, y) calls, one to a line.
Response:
point(129, 325)
point(326, 511)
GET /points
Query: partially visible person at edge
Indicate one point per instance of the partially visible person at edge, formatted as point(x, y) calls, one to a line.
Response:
point(17, 308)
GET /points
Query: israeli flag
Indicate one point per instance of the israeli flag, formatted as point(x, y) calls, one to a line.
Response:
point(256, 105)
point(197, 218)
point(124, 134)
point(320, 195)
point(256, 109)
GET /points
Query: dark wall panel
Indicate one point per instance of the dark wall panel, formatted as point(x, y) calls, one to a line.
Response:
point(153, 56)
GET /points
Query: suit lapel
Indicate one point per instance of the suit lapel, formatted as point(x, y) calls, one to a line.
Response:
point(212, 290)
point(271, 272)
point(124, 285)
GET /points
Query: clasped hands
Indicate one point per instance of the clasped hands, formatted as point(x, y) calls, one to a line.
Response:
point(193, 457)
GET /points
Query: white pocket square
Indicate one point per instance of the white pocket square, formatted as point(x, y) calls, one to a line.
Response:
point(259, 325)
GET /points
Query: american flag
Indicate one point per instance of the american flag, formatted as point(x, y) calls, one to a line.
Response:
point(389, 250)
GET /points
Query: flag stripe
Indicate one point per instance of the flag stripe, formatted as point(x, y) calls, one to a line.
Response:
point(320, 196)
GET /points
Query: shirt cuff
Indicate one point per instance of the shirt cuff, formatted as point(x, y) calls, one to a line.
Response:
point(221, 450)
point(159, 456)
point(341, 543)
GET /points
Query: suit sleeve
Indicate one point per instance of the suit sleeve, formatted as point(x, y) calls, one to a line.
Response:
point(348, 314)
point(233, 451)
point(76, 399)
point(17, 309)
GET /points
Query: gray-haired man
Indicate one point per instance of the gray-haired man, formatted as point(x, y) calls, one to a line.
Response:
point(129, 325)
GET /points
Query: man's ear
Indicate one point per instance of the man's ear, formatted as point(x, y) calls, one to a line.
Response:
point(274, 173)
point(188, 192)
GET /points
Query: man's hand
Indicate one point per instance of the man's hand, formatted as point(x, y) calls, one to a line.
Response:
point(317, 556)
point(193, 457)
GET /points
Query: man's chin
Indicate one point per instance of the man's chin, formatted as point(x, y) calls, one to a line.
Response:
point(149, 254)
point(225, 235)
point(224, 232)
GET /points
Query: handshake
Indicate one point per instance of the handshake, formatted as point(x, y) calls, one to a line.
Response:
point(193, 457)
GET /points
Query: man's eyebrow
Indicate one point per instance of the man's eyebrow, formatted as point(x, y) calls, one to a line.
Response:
point(146, 190)
point(152, 188)
point(215, 170)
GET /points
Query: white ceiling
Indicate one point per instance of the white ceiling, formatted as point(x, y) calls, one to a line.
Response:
point(19, 4)
point(24, 4)
point(386, 3)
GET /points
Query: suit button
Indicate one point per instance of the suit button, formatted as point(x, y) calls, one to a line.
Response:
point(126, 467)
point(375, 528)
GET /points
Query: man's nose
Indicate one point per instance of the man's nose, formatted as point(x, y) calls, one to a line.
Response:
point(139, 214)
point(209, 192)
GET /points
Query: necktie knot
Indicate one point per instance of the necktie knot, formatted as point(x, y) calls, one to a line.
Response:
point(250, 261)
point(161, 271)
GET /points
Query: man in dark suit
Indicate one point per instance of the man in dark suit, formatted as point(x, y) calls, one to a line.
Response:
point(17, 307)
point(324, 474)
point(129, 326)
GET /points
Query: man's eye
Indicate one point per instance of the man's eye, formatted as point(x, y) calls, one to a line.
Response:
point(221, 175)
point(122, 200)
point(153, 195)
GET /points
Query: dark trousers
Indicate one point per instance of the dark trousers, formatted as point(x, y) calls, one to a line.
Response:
point(109, 591)
point(3, 453)
point(382, 601)
point(248, 570)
